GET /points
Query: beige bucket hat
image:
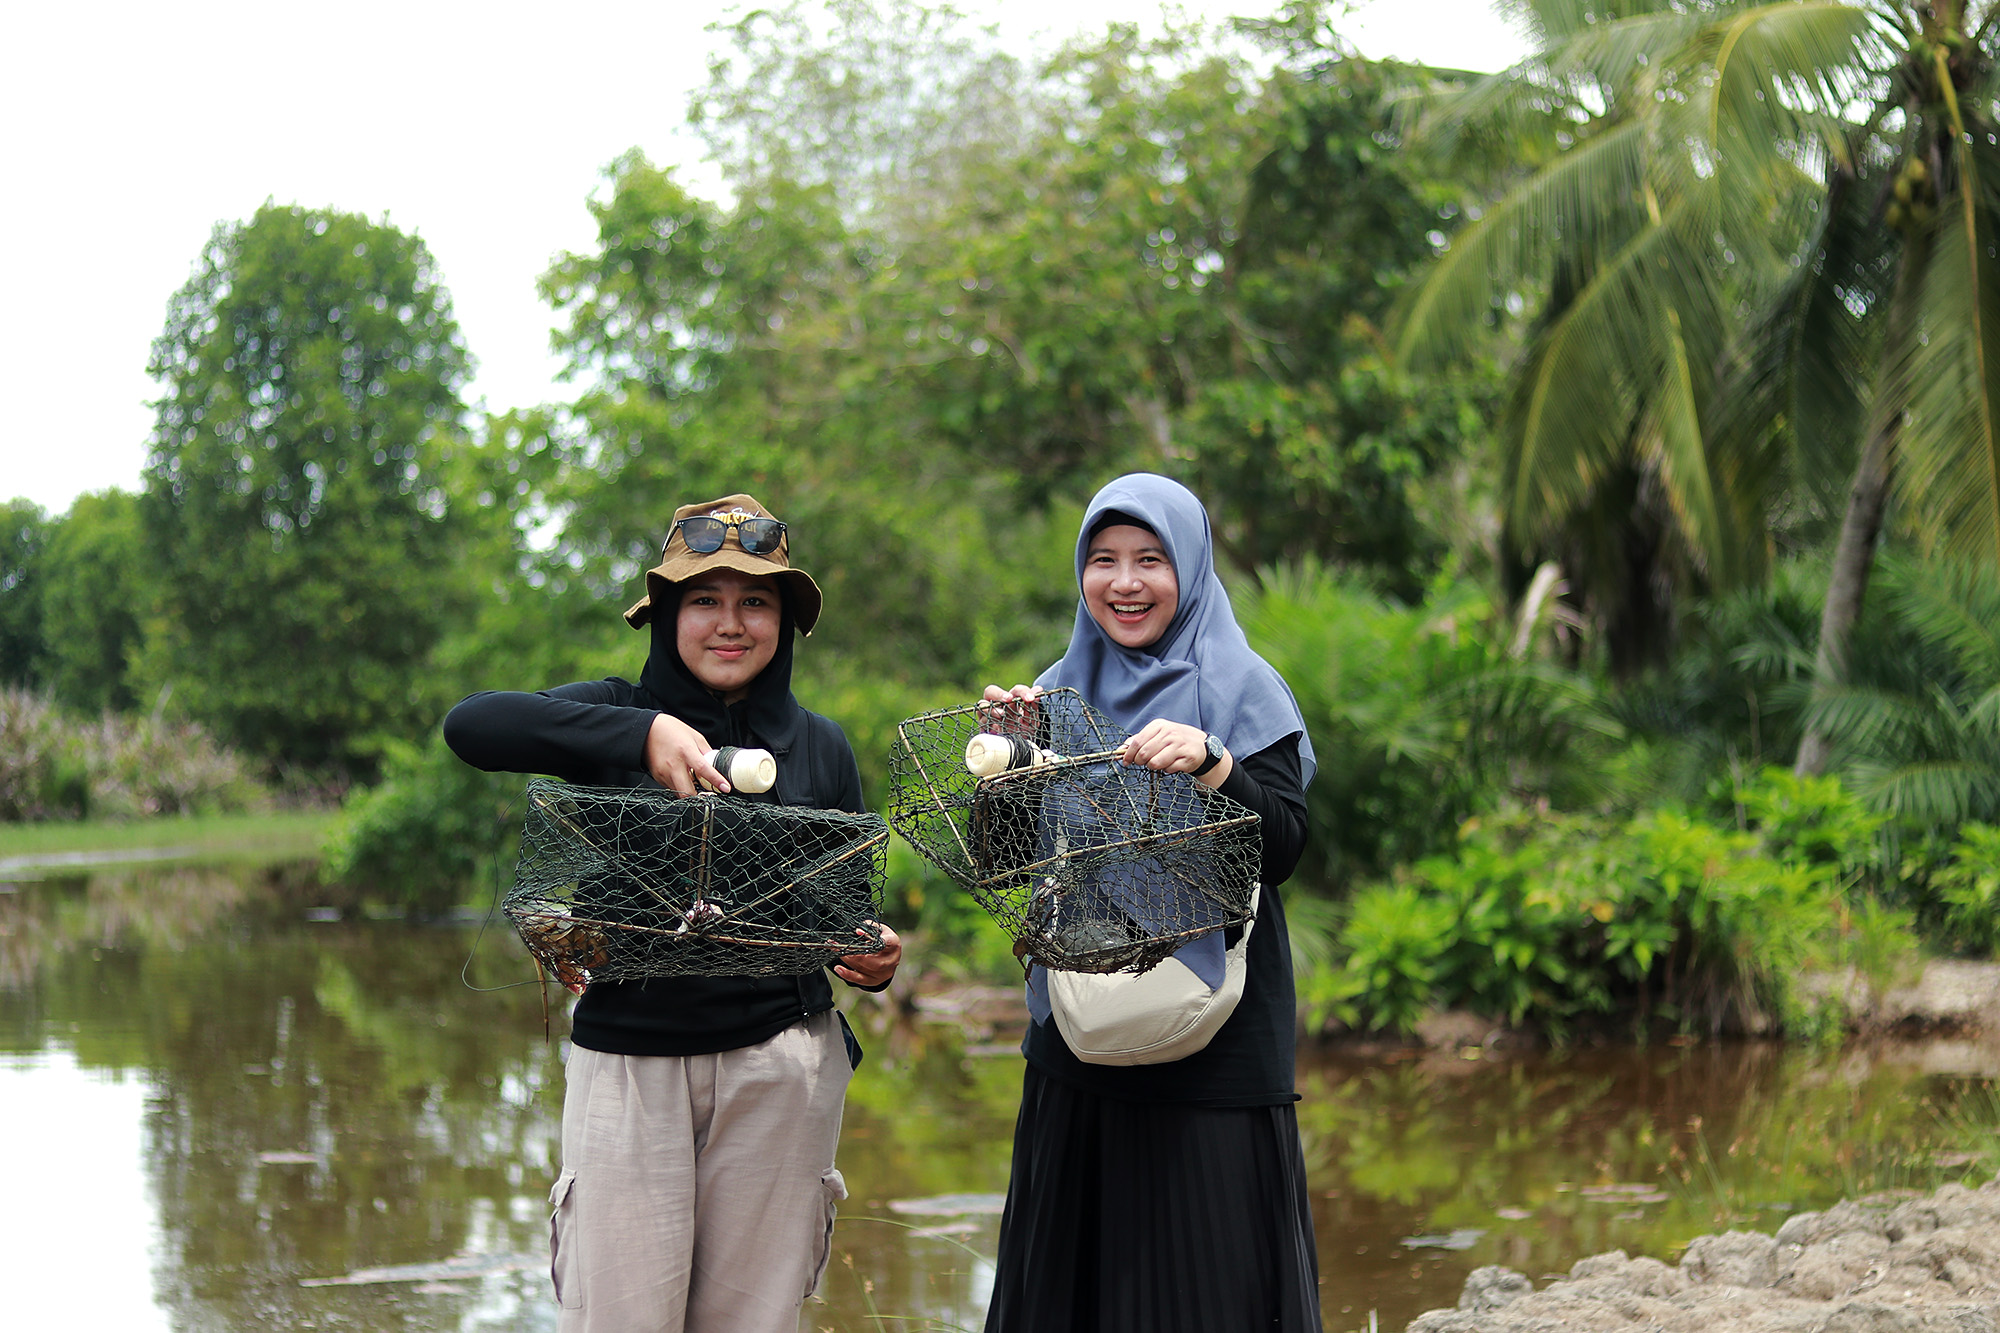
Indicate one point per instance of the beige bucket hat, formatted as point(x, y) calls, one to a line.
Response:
point(678, 563)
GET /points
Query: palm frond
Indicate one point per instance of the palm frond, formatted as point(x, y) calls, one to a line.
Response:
point(1786, 74)
point(1683, 461)
point(1798, 380)
point(1626, 50)
point(1614, 358)
point(1568, 75)
point(1952, 435)
point(1868, 720)
point(1590, 199)
point(1554, 22)
point(1955, 604)
point(1945, 791)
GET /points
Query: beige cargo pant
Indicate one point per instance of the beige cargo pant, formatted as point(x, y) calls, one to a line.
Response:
point(697, 1192)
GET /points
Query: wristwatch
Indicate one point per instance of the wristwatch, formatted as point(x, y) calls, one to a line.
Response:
point(1215, 754)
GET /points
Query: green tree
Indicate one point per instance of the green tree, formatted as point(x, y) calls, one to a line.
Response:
point(1764, 239)
point(311, 371)
point(23, 537)
point(1318, 444)
point(1149, 252)
point(1184, 268)
point(717, 352)
point(96, 601)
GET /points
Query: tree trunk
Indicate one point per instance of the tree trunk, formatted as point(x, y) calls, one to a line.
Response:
point(1853, 561)
point(1867, 500)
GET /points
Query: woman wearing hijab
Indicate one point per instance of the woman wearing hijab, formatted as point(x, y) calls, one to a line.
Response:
point(701, 1113)
point(1156, 1198)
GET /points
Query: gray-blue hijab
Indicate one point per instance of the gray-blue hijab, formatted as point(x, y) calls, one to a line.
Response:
point(1202, 671)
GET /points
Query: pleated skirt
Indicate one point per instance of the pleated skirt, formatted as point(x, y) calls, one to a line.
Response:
point(1135, 1217)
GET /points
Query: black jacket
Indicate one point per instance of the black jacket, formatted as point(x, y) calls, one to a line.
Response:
point(594, 732)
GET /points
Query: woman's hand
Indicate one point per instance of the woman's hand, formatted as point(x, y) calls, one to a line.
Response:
point(871, 970)
point(1012, 712)
point(1175, 747)
point(677, 756)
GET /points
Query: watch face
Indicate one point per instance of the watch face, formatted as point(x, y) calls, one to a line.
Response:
point(1215, 748)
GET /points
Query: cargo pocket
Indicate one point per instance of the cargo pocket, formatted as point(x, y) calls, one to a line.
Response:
point(832, 1189)
point(562, 1243)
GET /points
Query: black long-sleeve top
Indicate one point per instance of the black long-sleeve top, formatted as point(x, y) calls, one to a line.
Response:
point(1250, 1061)
point(594, 732)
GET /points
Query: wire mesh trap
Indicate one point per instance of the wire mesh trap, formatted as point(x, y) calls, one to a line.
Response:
point(1091, 864)
point(622, 883)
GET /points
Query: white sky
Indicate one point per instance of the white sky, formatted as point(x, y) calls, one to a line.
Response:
point(128, 130)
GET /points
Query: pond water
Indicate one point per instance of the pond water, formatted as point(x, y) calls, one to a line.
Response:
point(227, 1110)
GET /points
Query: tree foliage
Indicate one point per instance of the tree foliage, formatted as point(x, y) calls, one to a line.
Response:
point(23, 537)
point(948, 284)
point(311, 371)
point(97, 602)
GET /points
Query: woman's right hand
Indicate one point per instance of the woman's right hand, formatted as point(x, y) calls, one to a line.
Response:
point(1011, 712)
point(677, 757)
point(1016, 713)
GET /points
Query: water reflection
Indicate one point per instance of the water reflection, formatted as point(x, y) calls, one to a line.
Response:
point(48, 1104)
point(320, 1097)
point(259, 1119)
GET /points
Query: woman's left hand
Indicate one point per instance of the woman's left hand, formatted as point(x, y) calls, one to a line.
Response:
point(1175, 747)
point(870, 970)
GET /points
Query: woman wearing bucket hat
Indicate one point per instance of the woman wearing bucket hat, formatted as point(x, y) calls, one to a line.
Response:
point(1170, 1197)
point(701, 1113)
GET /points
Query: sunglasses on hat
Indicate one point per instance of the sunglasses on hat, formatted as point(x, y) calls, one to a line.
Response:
point(705, 533)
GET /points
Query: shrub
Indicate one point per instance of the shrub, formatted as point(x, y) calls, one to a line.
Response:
point(1553, 919)
point(39, 778)
point(1420, 717)
point(1394, 939)
point(429, 833)
point(1969, 888)
point(1815, 819)
point(54, 765)
point(141, 765)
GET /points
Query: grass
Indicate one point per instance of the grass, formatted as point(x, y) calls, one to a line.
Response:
point(204, 837)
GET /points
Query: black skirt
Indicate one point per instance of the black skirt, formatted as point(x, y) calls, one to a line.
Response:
point(1149, 1217)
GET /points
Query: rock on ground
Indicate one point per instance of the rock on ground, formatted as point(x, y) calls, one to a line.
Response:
point(1879, 1265)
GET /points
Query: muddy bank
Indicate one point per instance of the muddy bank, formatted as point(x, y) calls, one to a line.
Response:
point(1951, 995)
point(1946, 996)
point(1877, 1265)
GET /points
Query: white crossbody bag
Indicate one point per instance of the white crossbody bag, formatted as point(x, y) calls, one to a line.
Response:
point(1168, 1013)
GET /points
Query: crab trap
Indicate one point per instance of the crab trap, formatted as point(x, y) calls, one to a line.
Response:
point(1091, 864)
point(621, 883)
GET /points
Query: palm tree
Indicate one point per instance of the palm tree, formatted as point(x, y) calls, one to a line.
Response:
point(1764, 238)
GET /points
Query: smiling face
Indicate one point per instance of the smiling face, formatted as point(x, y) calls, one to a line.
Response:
point(1129, 585)
point(728, 629)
